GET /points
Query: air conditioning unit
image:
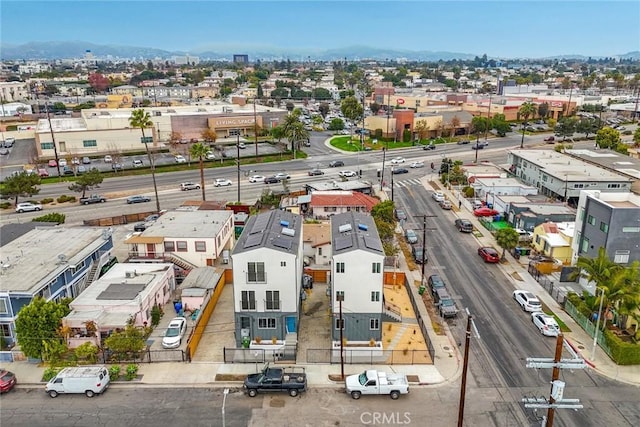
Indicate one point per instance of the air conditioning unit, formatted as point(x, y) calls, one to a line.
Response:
point(130, 274)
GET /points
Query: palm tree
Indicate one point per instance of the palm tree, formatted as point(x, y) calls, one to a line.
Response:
point(200, 150)
point(141, 119)
point(527, 109)
point(507, 238)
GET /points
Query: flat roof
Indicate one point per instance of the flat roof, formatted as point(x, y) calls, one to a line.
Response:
point(561, 165)
point(615, 199)
point(189, 224)
point(44, 253)
point(610, 160)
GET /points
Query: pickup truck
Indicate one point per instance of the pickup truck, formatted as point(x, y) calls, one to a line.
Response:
point(94, 198)
point(291, 380)
point(377, 382)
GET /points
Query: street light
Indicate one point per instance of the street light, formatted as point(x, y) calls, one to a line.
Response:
point(595, 335)
point(224, 401)
point(238, 159)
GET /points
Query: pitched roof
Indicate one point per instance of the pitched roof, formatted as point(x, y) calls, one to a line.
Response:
point(277, 229)
point(316, 234)
point(352, 231)
point(342, 198)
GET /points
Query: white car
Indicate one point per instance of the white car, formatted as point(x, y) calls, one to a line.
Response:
point(527, 300)
point(546, 324)
point(108, 159)
point(209, 155)
point(347, 174)
point(185, 186)
point(221, 182)
point(28, 207)
point(242, 146)
point(280, 176)
point(180, 159)
point(62, 163)
point(175, 331)
point(397, 160)
point(438, 196)
point(256, 178)
point(417, 165)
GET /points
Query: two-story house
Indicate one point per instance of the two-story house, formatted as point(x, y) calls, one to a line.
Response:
point(187, 238)
point(357, 278)
point(50, 262)
point(267, 274)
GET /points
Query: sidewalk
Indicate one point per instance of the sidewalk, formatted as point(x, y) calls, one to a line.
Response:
point(579, 340)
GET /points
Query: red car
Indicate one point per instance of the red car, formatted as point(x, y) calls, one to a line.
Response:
point(489, 254)
point(52, 163)
point(485, 212)
point(7, 381)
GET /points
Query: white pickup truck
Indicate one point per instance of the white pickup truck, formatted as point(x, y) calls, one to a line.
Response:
point(376, 382)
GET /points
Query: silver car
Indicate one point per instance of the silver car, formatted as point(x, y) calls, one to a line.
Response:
point(546, 324)
point(527, 300)
point(28, 207)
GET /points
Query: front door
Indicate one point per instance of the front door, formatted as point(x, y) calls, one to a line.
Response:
point(291, 324)
point(151, 250)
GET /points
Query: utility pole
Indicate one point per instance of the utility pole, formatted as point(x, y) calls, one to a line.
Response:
point(53, 140)
point(556, 400)
point(465, 364)
point(255, 125)
point(424, 240)
point(392, 184)
point(340, 297)
point(486, 130)
point(386, 143)
point(238, 160)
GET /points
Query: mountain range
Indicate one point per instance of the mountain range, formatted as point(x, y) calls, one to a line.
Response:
point(77, 49)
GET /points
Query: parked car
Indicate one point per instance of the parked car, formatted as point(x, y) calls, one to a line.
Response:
point(347, 174)
point(336, 163)
point(81, 169)
point(138, 164)
point(419, 256)
point(92, 199)
point(550, 139)
point(445, 204)
point(210, 155)
point(398, 171)
point(256, 178)
point(117, 166)
point(281, 175)
point(66, 170)
point(141, 226)
point(479, 145)
point(397, 160)
point(377, 382)
point(52, 163)
point(222, 182)
point(43, 173)
point(86, 160)
point(463, 225)
point(174, 333)
point(8, 142)
point(438, 196)
point(485, 211)
point(314, 172)
point(75, 161)
point(463, 141)
point(87, 380)
point(7, 381)
point(290, 380)
point(435, 282)
point(446, 305)
point(180, 159)
point(4, 151)
point(546, 324)
point(411, 236)
point(489, 254)
point(108, 159)
point(527, 300)
point(28, 207)
point(242, 146)
point(430, 146)
point(62, 162)
point(185, 186)
point(138, 199)
point(400, 215)
point(419, 164)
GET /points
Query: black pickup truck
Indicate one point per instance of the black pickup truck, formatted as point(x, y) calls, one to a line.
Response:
point(291, 380)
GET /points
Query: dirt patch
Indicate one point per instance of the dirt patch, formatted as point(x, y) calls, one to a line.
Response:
point(230, 377)
point(436, 321)
point(435, 185)
point(406, 250)
point(413, 378)
point(516, 276)
point(276, 402)
point(314, 308)
point(337, 378)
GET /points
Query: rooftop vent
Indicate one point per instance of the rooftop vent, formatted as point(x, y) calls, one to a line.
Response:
point(289, 232)
point(344, 228)
point(363, 227)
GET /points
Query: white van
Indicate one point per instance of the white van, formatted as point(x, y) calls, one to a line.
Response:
point(90, 380)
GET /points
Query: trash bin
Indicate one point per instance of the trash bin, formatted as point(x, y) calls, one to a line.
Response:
point(421, 289)
point(245, 342)
point(378, 173)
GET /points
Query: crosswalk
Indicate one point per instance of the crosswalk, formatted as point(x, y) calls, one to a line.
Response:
point(406, 183)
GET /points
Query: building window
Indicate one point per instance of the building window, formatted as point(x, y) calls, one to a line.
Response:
point(375, 296)
point(248, 300)
point(181, 245)
point(320, 250)
point(621, 257)
point(89, 143)
point(340, 323)
point(581, 214)
point(5, 331)
point(255, 272)
point(375, 267)
point(613, 185)
point(604, 227)
point(591, 220)
point(3, 306)
point(146, 140)
point(538, 239)
point(169, 246)
point(585, 245)
point(339, 295)
point(578, 185)
point(273, 300)
point(283, 263)
point(266, 323)
point(46, 145)
point(201, 246)
point(374, 324)
point(339, 267)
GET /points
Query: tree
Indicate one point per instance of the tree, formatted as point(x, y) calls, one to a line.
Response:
point(336, 124)
point(636, 137)
point(199, 151)
point(507, 239)
point(526, 110)
point(209, 135)
point(454, 124)
point(479, 125)
point(384, 211)
point(87, 181)
point(128, 343)
point(174, 140)
point(39, 323)
point(98, 82)
point(324, 109)
point(277, 132)
point(543, 110)
point(422, 129)
point(566, 127)
point(320, 93)
point(141, 119)
point(351, 108)
point(295, 133)
point(587, 125)
point(289, 106)
point(374, 107)
point(608, 138)
point(22, 184)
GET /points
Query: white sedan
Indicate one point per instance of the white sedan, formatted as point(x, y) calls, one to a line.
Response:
point(397, 160)
point(256, 178)
point(221, 182)
point(527, 300)
point(546, 324)
point(347, 174)
point(417, 165)
point(180, 159)
point(174, 333)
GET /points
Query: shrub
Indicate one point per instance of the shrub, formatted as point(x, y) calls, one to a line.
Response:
point(156, 314)
point(622, 352)
point(406, 135)
point(132, 372)
point(49, 373)
point(114, 372)
point(46, 201)
point(468, 192)
point(65, 198)
point(54, 217)
point(5, 205)
point(87, 351)
point(377, 133)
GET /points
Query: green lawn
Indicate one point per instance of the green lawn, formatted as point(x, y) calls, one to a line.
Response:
point(346, 143)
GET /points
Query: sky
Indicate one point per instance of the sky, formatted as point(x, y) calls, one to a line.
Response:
point(502, 29)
